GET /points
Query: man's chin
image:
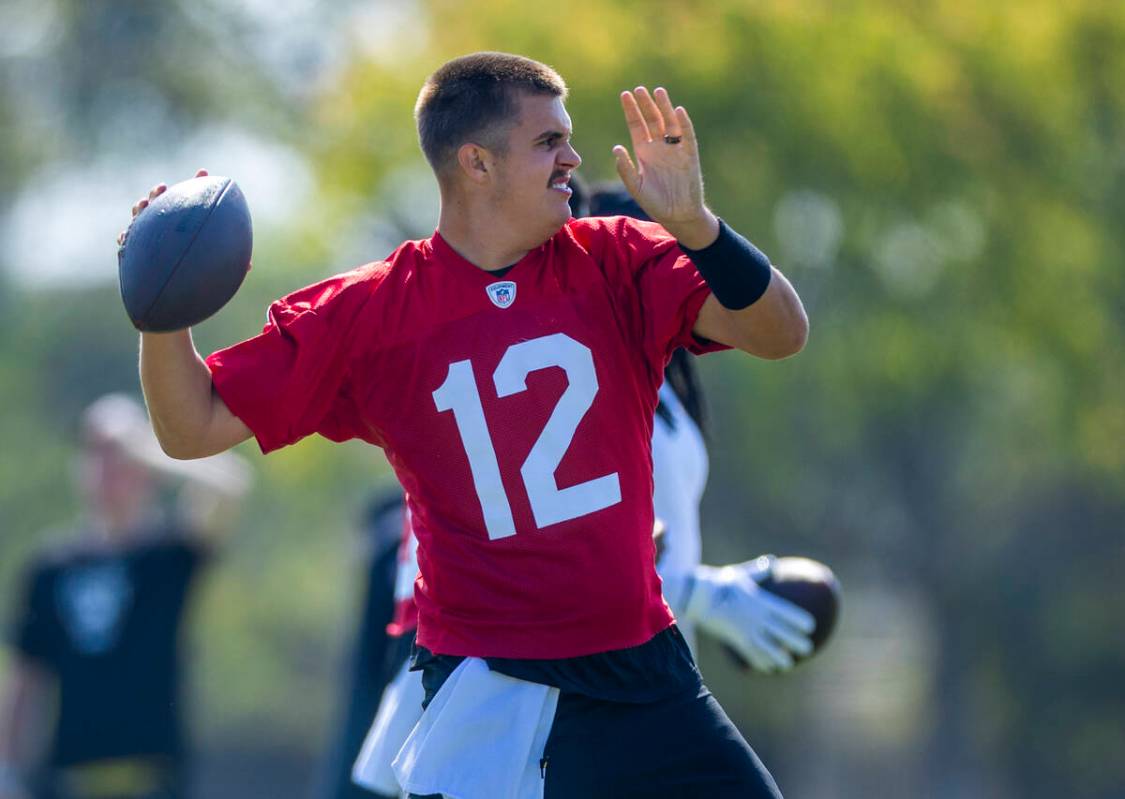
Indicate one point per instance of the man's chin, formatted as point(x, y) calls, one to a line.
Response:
point(545, 225)
point(552, 224)
point(564, 211)
point(561, 220)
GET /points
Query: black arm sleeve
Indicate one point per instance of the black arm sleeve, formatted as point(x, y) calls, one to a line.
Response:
point(736, 271)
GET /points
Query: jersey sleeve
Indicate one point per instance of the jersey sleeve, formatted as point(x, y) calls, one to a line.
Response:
point(292, 380)
point(669, 287)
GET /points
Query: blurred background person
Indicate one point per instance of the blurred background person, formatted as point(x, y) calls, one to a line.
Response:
point(763, 629)
point(92, 702)
point(368, 771)
point(377, 651)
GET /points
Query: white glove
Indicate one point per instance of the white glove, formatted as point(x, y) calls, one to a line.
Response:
point(765, 629)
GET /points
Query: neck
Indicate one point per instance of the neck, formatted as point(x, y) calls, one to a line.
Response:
point(472, 230)
point(122, 518)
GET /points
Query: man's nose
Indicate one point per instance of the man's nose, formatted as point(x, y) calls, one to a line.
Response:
point(569, 157)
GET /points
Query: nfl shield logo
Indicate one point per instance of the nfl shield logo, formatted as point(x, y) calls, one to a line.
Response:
point(502, 294)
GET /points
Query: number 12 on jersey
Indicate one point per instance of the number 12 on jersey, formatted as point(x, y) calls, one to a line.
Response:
point(549, 503)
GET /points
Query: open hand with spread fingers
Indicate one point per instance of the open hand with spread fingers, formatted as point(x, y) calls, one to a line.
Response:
point(664, 175)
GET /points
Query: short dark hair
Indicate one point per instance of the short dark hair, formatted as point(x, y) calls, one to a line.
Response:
point(476, 97)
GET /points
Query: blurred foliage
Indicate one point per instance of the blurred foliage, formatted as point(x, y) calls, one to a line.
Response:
point(945, 185)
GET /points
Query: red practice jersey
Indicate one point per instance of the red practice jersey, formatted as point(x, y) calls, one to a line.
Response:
point(516, 412)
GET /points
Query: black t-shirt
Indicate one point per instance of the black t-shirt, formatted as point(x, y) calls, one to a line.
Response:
point(107, 626)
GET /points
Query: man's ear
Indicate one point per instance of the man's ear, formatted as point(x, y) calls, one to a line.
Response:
point(476, 162)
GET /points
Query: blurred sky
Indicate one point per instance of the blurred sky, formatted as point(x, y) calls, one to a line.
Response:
point(59, 230)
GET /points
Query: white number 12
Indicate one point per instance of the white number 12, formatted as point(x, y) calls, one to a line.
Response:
point(549, 503)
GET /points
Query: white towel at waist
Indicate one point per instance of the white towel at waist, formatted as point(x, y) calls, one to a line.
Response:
point(399, 711)
point(481, 737)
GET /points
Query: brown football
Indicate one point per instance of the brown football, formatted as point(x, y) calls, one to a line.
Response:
point(810, 584)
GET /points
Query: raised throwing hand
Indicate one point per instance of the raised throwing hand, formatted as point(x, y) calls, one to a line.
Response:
point(663, 174)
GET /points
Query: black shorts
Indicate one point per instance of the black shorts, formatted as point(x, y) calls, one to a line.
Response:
point(681, 747)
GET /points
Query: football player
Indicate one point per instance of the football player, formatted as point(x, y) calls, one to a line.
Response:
point(761, 628)
point(525, 351)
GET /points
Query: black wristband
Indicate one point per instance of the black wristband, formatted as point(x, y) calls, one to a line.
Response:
point(736, 271)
